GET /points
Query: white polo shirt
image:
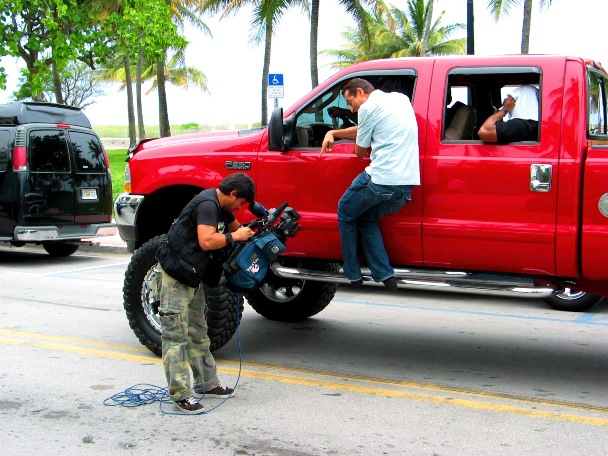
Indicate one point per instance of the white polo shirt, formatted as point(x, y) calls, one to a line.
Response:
point(387, 123)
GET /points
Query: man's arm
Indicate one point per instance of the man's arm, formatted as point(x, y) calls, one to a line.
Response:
point(210, 239)
point(487, 132)
point(332, 135)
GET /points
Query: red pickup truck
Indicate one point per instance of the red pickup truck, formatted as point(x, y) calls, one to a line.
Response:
point(526, 218)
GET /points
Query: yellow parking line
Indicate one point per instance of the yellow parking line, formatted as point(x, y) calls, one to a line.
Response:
point(72, 340)
point(330, 381)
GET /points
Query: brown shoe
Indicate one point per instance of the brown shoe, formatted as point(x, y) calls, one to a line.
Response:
point(189, 405)
point(219, 392)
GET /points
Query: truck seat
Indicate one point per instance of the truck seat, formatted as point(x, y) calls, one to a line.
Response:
point(462, 124)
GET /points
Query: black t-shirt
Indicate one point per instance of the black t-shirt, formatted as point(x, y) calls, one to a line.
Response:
point(211, 214)
point(516, 130)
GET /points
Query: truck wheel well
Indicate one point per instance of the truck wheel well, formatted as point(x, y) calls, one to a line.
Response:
point(160, 209)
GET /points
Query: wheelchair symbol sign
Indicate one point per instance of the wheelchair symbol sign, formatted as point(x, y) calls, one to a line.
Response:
point(275, 80)
point(275, 86)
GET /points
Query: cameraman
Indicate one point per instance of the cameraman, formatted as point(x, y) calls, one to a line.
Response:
point(183, 260)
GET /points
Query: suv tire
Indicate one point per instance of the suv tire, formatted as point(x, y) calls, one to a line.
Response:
point(59, 249)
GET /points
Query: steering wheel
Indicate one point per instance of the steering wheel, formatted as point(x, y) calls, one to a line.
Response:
point(335, 114)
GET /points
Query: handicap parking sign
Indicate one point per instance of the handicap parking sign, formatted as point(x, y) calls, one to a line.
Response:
point(275, 85)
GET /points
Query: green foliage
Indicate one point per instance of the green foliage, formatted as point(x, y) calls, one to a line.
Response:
point(49, 34)
point(117, 158)
point(398, 33)
point(145, 24)
point(45, 32)
point(190, 126)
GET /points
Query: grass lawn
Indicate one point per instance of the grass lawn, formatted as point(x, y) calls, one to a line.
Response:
point(117, 170)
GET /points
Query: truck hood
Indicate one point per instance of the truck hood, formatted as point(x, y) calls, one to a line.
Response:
point(227, 137)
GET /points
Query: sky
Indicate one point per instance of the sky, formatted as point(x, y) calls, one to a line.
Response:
point(234, 67)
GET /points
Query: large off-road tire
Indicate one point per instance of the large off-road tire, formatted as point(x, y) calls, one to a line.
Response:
point(293, 300)
point(141, 302)
point(59, 249)
point(573, 301)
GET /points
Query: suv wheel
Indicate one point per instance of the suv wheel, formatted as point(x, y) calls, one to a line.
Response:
point(59, 249)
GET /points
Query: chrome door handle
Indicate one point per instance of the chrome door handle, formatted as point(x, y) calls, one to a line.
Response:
point(540, 178)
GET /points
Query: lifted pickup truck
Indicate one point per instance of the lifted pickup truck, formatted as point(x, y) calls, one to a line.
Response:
point(526, 218)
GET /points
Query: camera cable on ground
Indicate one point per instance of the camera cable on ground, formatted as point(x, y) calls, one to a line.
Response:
point(144, 393)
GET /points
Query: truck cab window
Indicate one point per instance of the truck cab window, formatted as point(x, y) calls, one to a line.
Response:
point(475, 94)
point(329, 111)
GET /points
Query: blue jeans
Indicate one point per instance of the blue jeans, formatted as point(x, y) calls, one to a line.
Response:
point(359, 209)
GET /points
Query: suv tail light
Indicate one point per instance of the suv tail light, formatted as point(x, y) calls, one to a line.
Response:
point(20, 158)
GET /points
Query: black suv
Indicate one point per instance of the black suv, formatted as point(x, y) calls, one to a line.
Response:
point(55, 184)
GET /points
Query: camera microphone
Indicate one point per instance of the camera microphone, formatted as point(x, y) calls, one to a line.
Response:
point(257, 209)
point(277, 212)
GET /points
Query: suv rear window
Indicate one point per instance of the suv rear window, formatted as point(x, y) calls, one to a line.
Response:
point(48, 152)
point(88, 153)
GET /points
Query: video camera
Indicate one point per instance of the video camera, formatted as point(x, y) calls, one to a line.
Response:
point(249, 261)
point(287, 226)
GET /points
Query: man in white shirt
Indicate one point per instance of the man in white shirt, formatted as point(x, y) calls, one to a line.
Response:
point(520, 109)
point(388, 130)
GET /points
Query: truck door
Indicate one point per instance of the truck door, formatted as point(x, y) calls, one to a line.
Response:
point(314, 185)
point(48, 187)
point(491, 207)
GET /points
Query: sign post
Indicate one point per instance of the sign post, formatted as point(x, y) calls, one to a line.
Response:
point(275, 87)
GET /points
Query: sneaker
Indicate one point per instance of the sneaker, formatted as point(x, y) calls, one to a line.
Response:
point(390, 284)
point(189, 405)
point(219, 392)
point(356, 283)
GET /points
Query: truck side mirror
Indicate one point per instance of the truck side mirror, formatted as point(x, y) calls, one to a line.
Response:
point(280, 133)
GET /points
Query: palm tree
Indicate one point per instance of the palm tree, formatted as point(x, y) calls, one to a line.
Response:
point(355, 9)
point(404, 38)
point(498, 7)
point(182, 11)
point(175, 72)
point(266, 15)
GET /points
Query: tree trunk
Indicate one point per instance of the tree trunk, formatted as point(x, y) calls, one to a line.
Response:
point(163, 111)
point(161, 82)
point(140, 112)
point(427, 27)
point(57, 84)
point(266, 71)
point(130, 110)
point(525, 32)
point(314, 33)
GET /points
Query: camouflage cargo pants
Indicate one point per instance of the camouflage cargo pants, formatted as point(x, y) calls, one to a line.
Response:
point(185, 342)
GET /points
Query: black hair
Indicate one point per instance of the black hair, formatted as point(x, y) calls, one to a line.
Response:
point(242, 183)
point(357, 83)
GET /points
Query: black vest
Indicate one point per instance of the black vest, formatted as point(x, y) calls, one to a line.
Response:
point(181, 255)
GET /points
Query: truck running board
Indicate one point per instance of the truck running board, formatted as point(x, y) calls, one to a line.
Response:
point(438, 280)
